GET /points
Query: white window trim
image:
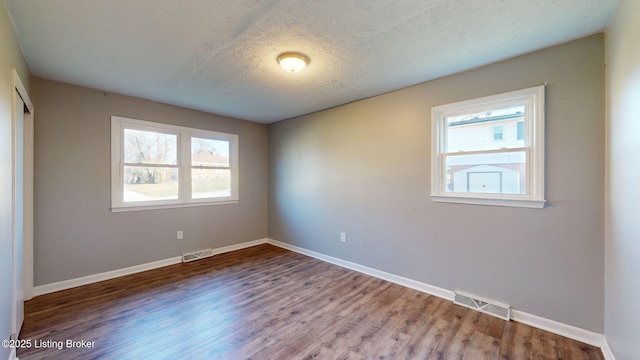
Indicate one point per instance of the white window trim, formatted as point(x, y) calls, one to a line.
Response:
point(533, 98)
point(118, 124)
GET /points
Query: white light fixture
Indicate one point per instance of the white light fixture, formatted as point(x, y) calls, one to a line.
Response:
point(293, 61)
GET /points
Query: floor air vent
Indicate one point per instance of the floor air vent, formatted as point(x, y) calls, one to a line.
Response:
point(197, 255)
point(486, 306)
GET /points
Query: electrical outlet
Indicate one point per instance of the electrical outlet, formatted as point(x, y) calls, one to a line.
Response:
point(179, 235)
point(343, 237)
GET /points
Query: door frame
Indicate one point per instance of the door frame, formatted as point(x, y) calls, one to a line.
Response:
point(27, 245)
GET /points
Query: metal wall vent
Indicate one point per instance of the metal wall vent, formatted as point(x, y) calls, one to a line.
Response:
point(490, 307)
point(197, 255)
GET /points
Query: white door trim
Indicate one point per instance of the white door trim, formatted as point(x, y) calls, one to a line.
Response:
point(19, 86)
point(26, 280)
point(28, 185)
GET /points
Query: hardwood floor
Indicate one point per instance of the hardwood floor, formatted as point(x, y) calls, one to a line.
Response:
point(268, 303)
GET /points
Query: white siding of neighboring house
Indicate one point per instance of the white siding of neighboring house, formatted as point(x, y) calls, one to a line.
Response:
point(493, 173)
point(479, 136)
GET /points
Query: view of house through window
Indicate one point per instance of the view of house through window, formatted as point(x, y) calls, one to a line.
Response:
point(476, 161)
point(210, 173)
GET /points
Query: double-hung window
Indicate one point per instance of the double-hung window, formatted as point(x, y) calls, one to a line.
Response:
point(490, 151)
point(157, 165)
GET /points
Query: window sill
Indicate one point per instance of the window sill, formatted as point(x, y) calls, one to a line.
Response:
point(170, 206)
point(524, 203)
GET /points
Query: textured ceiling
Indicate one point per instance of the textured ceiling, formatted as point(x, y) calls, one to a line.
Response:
point(220, 56)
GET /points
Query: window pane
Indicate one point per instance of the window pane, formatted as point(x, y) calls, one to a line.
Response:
point(480, 130)
point(497, 173)
point(150, 183)
point(497, 133)
point(147, 147)
point(208, 152)
point(520, 130)
point(209, 183)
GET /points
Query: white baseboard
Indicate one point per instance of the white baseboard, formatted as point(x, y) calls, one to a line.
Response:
point(240, 246)
point(569, 331)
point(606, 350)
point(90, 279)
point(552, 326)
point(406, 282)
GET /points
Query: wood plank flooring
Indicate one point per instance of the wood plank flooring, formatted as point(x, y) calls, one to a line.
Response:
point(265, 302)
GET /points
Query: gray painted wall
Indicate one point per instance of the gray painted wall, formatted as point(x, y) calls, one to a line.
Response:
point(622, 294)
point(75, 232)
point(10, 57)
point(363, 168)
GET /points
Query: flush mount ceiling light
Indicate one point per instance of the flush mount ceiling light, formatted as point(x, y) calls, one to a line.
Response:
point(293, 61)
